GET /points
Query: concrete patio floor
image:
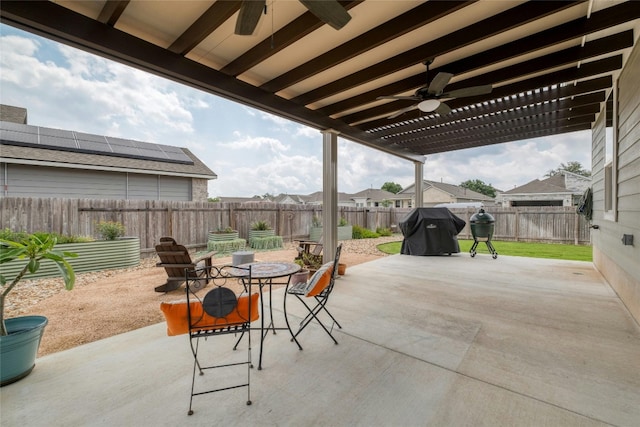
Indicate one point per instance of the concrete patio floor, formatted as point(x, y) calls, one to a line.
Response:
point(426, 341)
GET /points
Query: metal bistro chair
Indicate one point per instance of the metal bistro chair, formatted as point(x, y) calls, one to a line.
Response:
point(220, 312)
point(319, 288)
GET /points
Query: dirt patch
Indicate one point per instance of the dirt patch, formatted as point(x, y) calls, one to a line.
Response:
point(108, 303)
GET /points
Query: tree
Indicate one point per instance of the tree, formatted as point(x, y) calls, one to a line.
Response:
point(573, 167)
point(391, 187)
point(479, 187)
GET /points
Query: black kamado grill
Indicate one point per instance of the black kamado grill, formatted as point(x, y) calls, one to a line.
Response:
point(482, 225)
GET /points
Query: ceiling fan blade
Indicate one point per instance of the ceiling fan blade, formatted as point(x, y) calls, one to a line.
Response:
point(249, 16)
point(401, 112)
point(443, 109)
point(468, 91)
point(329, 11)
point(439, 82)
point(406, 98)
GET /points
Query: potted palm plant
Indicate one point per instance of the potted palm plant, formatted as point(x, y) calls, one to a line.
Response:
point(262, 236)
point(20, 336)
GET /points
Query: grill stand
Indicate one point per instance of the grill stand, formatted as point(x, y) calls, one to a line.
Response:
point(490, 247)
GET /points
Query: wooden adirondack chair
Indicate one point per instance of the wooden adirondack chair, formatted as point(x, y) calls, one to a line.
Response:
point(175, 259)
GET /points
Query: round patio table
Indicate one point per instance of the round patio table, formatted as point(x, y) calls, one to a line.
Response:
point(265, 272)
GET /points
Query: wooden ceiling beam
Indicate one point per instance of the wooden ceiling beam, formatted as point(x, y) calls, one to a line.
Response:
point(208, 22)
point(552, 111)
point(569, 74)
point(514, 17)
point(598, 21)
point(525, 134)
point(573, 54)
point(284, 37)
point(576, 107)
point(111, 11)
point(514, 125)
point(417, 17)
point(582, 89)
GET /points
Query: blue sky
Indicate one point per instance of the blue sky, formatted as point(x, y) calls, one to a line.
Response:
point(252, 152)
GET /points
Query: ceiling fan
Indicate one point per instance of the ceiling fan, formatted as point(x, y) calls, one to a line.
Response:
point(428, 98)
point(329, 11)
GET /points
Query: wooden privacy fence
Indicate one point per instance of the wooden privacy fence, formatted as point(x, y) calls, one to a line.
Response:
point(190, 222)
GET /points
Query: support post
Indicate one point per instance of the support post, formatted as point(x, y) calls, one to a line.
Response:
point(329, 193)
point(419, 166)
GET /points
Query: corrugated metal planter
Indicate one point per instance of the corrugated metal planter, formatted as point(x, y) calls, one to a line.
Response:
point(260, 234)
point(215, 236)
point(92, 256)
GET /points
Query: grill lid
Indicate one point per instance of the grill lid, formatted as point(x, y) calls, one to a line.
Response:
point(481, 217)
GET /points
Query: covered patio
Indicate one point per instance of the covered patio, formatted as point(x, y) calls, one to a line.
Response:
point(449, 340)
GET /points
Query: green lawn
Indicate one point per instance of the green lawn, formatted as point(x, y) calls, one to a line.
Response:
point(532, 250)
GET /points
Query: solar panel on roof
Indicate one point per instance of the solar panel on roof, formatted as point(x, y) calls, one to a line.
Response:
point(57, 142)
point(178, 157)
point(57, 139)
point(94, 146)
point(19, 137)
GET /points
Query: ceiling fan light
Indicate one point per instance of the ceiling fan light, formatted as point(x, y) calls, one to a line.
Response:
point(428, 105)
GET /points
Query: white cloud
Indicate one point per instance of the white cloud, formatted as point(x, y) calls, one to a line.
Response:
point(246, 142)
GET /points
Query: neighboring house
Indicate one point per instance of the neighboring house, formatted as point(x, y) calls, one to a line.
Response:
point(615, 179)
point(562, 189)
point(242, 199)
point(373, 197)
point(43, 162)
point(344, 199)
point(435, 193)
point(289, 199)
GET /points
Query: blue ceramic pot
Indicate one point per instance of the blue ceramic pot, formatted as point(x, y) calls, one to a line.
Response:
point(19, 349)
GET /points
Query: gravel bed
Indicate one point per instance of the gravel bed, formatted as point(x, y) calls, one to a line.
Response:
point(30, 292)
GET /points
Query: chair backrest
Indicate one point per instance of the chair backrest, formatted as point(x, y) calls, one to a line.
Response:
point(224, 306)
point(322, 281)
point(174, 257)
point(334, 273)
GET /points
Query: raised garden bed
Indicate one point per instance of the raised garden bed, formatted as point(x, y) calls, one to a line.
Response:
point(92, 256)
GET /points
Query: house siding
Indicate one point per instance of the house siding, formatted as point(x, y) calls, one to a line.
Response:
point(620, 264)
point(38, 181)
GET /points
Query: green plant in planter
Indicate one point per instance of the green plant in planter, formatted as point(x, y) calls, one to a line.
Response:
point(34, 247)
point(311, 261)
point(260, 226)
point(316, 221)
point(342, 222)
point(225, 230)
point(110, 230)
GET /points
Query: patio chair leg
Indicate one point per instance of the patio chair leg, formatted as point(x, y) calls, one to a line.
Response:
point(286, 319)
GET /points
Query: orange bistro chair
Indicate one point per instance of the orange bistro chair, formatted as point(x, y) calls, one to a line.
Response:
point(220, 312)
point(317, 289)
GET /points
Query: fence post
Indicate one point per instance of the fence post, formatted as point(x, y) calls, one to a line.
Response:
point(169, 221)
point(576, 229)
